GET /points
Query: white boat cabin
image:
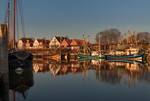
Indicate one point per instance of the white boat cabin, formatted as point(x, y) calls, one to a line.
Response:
point(132, 50)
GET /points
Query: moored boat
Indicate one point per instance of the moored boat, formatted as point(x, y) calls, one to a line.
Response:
point(94, 55)
point(136, 56)
point(17, 56)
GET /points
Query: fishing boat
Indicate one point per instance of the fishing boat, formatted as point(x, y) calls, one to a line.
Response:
point(93, 54)
point(127, 53)
point(136, 56)
point(17, 56)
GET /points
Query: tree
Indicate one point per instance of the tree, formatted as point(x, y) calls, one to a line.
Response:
point(143, 39)
point(108, 36)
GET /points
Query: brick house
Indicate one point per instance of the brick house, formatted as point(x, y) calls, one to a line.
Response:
point(76, 44)
point(66, 43)
point(56, 42)
point(41, 43)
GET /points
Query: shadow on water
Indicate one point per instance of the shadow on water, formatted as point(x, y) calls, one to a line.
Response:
point(3, 88)
point(20, 81)
point(16, 82)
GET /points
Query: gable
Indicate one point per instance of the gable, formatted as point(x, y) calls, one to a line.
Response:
point(20, 42)
point(36, 42)
point(54, 41)
point(65, 42)
point(73, 42)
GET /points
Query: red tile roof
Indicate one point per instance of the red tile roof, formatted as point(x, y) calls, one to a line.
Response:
point(25, 40)
point(43, 41)
point(67, 40)
point(78, 41)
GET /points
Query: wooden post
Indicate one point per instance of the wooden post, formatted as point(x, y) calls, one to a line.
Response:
point(4, 63)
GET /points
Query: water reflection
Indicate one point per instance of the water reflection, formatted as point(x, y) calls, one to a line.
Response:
point(111, 72)
point(3, 88)
point(20, 81)
point(76, 76)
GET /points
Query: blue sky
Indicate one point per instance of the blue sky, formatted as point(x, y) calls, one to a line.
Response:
point(73, 18)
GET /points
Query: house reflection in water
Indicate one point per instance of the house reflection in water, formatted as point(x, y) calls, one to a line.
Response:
point(40, 65)
point(112, 72)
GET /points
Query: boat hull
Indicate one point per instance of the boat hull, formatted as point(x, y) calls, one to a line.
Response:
point(138, 57)
point(91, 56)
point(15, 61)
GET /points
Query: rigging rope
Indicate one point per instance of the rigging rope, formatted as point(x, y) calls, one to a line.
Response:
point(21, 17)
point(17, 21)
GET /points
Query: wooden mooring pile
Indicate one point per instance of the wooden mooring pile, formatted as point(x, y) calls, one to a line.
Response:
point(4, 82)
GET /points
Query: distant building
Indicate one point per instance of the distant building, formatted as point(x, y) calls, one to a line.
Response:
point(41, 43)
point(56, 42)
point(25, 43)
point(66, 43)
point(76, 44)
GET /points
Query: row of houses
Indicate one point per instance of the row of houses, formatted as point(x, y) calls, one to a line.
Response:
point(56, 42)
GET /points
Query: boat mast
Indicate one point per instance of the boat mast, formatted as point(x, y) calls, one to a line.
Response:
point(83, 44)
point(130, 37)
point(14, 26)
point(121, 39)
point(135, 38)
point(99, 43)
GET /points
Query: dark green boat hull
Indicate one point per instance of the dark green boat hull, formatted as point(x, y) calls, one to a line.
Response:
point(82, 56)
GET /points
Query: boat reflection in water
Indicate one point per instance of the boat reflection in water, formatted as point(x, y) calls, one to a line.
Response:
point(112, 72)
point(20, 82)
point(124, 72)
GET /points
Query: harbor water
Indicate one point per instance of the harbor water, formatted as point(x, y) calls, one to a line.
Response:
point(90, 80)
